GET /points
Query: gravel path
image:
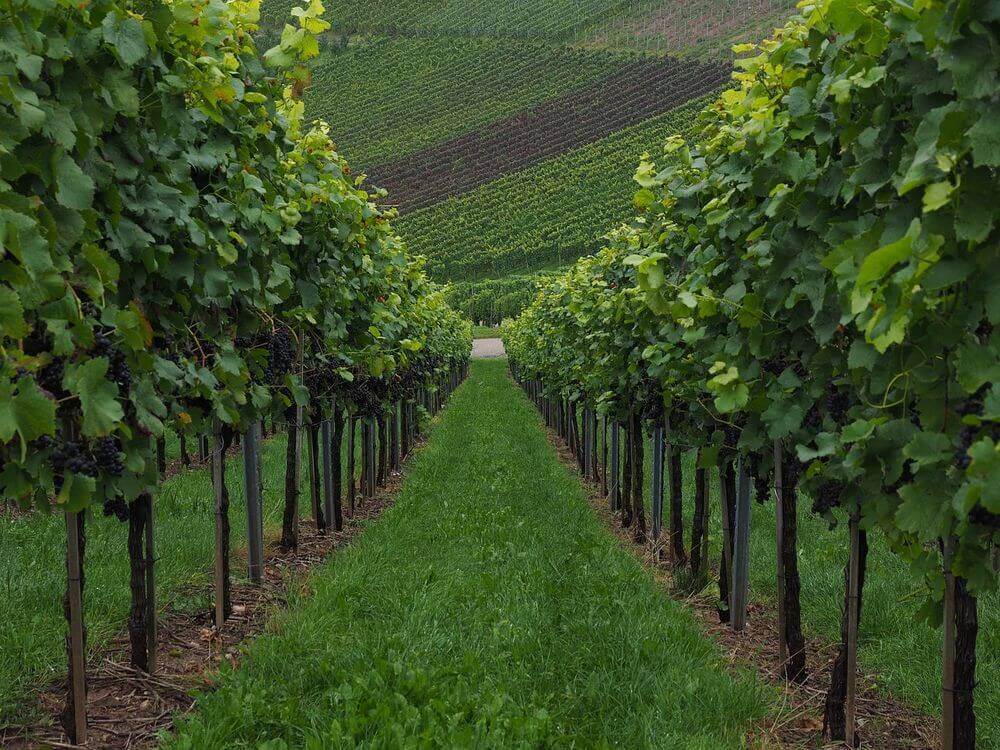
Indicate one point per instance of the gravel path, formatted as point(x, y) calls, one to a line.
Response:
point(487, 349)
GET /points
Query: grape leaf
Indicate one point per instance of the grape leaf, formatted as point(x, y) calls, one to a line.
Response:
point(74, 189)
point(98, 396)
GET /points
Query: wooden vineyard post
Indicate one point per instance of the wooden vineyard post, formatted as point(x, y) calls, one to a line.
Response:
point(741, 549)
point(152, 635)
point(326, 437)
point(704, 538)
point(604, 454)
point(369, 459)
point(252, 483)
point(780, 548)
point(727, 531)
point(314, 474)
point(853, 612)
point(587, 456)
point(614, 485)
point(299, 414)
point(657, 522)
point(594, 465)
point(218, 479)
point(351, 483)
point(397, 463)
point(948, 655)
point(77, 693)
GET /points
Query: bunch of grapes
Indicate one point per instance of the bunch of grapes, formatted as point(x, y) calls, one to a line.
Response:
point(813, 421)
point(774, 366)
point(828, 497)
point(118, 369)
point(116, 506)
point(280, 355)
point(108, 456)
point(761, 485)
point(791, 470)
point(50, 377)
point(732, 435)
point(965, 439)
point(837, 403)
point(800, 370)
point(651, 398)
point(967, 434)
point(72, 456)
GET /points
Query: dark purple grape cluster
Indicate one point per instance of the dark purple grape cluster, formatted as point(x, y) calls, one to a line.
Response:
point(761, 478)
point(774, 366)
point(984, 329)
point(73, 457)
point(280, 355)
point(107, 454)
point(43, 443)
point(979, 515)
point(118, 369)
point(813, 421)
point(117, 507)
point(837, 403)
point(828, 497)
point(965, 438)
point(967, 435)
point(800, 370)
point(50, 377)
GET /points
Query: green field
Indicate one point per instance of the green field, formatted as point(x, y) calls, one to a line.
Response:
point(487, 608)
point(551, 213)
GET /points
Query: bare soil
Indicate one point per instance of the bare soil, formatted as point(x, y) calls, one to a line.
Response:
point(488, 349)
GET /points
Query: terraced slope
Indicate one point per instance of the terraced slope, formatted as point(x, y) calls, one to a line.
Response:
point(507, 133)
point(635, 92)
point(553, 18)
point(391, 97)
point(540, 217)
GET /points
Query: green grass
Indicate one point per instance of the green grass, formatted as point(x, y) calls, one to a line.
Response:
point(488, 608)
point(904, 653)
point(33, 569)
point(544, 216)
point(391, 96)
point(484, 332)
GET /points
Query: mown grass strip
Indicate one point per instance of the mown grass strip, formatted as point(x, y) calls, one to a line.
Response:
point(487, 608)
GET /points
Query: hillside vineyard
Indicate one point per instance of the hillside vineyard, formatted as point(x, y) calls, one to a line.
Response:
point(720, 471)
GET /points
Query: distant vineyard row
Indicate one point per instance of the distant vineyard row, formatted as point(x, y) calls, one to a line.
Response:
point(702, 28)
point(412, 94)
point(492, 300)
point(551, 213)
point(636, 92)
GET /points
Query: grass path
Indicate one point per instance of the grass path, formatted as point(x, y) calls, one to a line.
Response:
point(487, 608)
